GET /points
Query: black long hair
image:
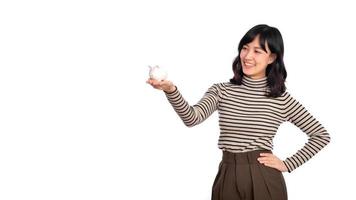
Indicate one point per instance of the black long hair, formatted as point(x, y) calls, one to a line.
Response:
point(275, 72)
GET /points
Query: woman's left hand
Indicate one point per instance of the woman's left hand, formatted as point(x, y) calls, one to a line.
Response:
point(273, 161)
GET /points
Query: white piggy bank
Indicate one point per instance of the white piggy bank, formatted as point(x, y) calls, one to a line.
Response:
point(157, 73)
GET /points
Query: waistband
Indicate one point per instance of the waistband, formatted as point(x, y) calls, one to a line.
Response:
point(243, 158)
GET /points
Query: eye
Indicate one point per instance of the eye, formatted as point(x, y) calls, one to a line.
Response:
point(259, 51)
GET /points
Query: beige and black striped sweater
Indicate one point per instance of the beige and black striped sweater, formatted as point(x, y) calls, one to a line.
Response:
point(249, 120)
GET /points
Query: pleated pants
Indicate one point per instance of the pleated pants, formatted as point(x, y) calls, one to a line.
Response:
point(242, 177)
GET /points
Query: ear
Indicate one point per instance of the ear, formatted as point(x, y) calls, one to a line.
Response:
point(272, 58)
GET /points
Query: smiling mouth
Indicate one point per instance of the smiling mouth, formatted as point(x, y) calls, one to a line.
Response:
point(248, 64)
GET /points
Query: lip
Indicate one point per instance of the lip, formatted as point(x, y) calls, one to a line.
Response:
point(248, 64)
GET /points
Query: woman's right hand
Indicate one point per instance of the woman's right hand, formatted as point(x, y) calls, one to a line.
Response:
point(164, 85)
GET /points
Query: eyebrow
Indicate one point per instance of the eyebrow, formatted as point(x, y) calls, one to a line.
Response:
point(254, 47)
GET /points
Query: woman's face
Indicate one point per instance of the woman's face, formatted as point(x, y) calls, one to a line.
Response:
point(254, 59)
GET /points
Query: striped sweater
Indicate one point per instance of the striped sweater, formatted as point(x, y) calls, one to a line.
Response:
point(249, 120)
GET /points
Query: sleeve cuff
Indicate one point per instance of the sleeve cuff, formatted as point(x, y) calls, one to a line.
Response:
point(288, 166)
point(171, 93)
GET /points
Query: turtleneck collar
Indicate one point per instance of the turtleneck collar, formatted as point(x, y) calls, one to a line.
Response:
point(254, 83)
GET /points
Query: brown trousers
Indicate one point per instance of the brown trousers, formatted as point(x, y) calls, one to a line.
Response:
point(242, 177)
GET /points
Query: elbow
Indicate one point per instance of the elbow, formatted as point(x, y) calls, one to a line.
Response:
point(189, 124)
point(326, 139)
point(191, 120)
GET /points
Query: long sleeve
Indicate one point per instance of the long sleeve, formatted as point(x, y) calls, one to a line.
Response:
point(318, 136)
point(193, 115)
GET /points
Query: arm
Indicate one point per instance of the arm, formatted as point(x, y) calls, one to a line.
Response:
point(318, 136)
point(193, 115)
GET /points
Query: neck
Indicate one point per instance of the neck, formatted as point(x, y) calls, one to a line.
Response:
point(256, 77)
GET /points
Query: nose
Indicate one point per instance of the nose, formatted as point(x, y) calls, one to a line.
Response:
point(249, 55)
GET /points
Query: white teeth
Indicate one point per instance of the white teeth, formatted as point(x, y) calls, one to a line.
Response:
point(248, 64)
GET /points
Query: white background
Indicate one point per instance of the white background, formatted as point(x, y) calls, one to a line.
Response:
point(78, 121)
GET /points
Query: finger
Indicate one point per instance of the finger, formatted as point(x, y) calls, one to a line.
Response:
point(152, 82)
point(165, 82)
point(266, 158)
point(269, 162)
point(263, 162)
point(272, 166)
point(155, 83)
point(263, 159)
point(266, 154)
